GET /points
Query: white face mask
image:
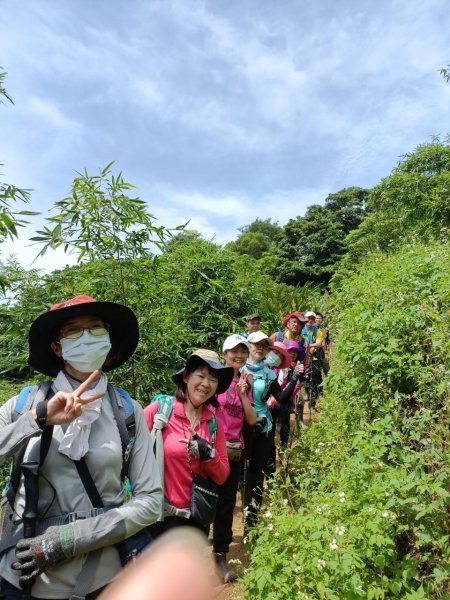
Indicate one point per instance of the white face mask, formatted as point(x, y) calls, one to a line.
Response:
point(273, 359)
point(86, 353)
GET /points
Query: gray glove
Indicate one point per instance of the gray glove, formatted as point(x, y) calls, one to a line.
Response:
point(35, 555)
point(200, 448)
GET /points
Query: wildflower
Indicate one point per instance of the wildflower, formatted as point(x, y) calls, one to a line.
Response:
point(333, 545)
point(319, 510)
point(321, 444)
point(340, 530)
point(317, 451)
point(285, 502)
point(385, 514)
point(245, 540)
point(234, 561)
point(268, 514)
point(387, 494)
point(321, 564)
point(276, 534)
point(325, 506)
point(342, 499)
point(298, 569)
point(359, 589)
point(270, 526)
point(341, 494)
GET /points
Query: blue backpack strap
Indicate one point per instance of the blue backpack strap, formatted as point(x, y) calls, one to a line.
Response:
point(165, 405)
point(280, 335)
point(128, 402)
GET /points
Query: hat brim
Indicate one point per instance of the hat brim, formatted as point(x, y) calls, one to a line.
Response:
point(224, 374)
point(293, 316)
point(287, 360)
point(124, 334)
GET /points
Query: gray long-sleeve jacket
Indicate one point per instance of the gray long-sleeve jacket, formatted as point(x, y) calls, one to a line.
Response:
point(61, 491)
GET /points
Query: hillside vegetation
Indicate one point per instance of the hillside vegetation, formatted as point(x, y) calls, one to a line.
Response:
point(361, 507)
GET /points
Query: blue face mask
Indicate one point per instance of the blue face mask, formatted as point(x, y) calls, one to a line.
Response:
point(273, 359)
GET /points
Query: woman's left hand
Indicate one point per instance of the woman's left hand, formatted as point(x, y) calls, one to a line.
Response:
point(199, 447)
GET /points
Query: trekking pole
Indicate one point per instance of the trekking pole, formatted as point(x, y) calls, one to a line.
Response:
point(244, 484)
point(30, 515)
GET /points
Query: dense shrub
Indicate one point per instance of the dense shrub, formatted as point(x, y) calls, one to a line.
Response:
point(361, 508)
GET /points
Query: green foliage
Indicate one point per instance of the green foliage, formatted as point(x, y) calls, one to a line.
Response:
point(361, 508)
point(412, 203)
point(98, 220)
point(3, 92)
point(194, 295)
point(257, 240)
point(310, 247)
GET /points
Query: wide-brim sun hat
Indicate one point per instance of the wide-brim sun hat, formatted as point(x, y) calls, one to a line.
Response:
point(295, 315)
point(123, 332)
point(232, 341)
point(281, 349)
point(258, 336)
point(209, 357)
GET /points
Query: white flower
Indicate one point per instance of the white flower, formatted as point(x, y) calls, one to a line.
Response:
point(276, 534)
point(268, 514)
point(245, 540)
point(319, 510)
point(321, 444)
point(270, 526)
point(326, 506)
point(359, 588)
point(333, 545)
point(321, 564)
point(342, 500)
point(387, 494)
point(317, 451)
point(385, 514)
point(341, 494)
point(340, 530)
point(297, 569)
point(234, 561)
point(285, 502)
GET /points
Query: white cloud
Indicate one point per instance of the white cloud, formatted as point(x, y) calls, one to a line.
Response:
point(52, 114)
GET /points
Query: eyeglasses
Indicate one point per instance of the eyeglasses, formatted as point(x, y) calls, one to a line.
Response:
point(73, 333)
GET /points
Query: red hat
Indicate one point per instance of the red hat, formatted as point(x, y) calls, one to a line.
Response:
point(295, 315)
point(124, 332)
point(281, 349)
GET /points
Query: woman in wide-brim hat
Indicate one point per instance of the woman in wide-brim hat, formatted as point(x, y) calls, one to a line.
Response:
point(193, 438)
point(75, 343)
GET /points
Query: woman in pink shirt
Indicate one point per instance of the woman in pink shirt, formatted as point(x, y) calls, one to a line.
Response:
point(235, 408)
point(190, 447)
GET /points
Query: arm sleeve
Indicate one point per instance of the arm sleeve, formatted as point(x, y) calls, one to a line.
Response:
point(142, 510)
point(218, 468)
point(283, 396)
point(14, 434)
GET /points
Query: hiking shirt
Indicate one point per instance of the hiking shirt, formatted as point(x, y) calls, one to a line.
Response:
point(61, 492)
point(286, 335)
point(262, 375)
point(177, 472)
point(231, 412)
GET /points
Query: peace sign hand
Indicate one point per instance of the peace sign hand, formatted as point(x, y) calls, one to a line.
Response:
point(242, 385)
point(65, 407)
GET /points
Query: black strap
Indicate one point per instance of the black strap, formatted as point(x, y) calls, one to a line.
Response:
point(88, 482)
point(121, 426)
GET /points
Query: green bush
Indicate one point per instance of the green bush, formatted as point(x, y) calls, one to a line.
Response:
point(361, 508)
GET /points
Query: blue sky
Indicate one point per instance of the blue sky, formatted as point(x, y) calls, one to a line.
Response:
point(218, 111)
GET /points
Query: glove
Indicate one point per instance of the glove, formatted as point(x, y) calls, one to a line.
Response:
point(35, 555)
point(200, 448)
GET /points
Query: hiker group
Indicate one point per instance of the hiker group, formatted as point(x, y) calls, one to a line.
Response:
point(95, 478)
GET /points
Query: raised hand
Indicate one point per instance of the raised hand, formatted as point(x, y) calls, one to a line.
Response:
point(242, 385)
point(65, 407)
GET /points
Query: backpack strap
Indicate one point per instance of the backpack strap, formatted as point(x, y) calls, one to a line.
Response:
point(28, 397)
point(160, 420)
point(126, 423)
point(280, 335)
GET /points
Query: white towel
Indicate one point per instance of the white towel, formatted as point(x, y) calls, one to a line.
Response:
point(75, 443)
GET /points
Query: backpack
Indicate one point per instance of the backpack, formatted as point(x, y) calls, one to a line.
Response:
point(29, 396)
